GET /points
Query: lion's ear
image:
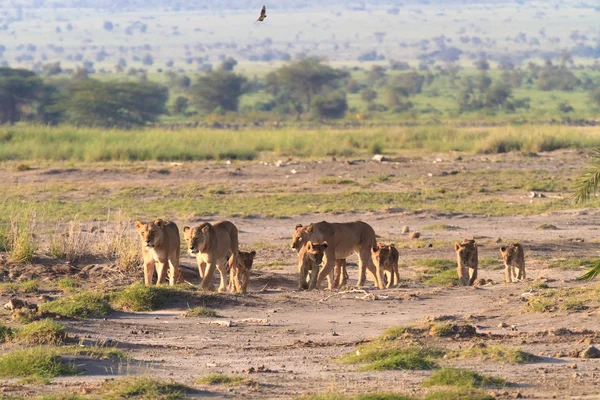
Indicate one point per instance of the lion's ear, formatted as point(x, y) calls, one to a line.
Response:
point(375, 249)
point(393, 245)
point(186, 228)
point(503, 249)
point(309, 245)
point(159, 222)
point(309, 228)
point(205, 229)
point(253, 253)
point(324, 245)
point(298, 226)
point(138, 225)
point(456, 246)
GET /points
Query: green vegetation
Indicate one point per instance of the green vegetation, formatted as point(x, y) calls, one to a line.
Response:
point(86, 304)
point(386, 355)
point(461, 378)
point(201, 311)
point(459, 394)
point(494, 353)
point(220, 379)
point(550, 300)
point(5, 333)
point(371, 396)
point(571, 263)
point(68, 284)
point(438, 272)
point(336, 181)
point(10, 288)
point(35, 362)
point(21, 244)
point(138, 297)
point(45, 331)
point(143, 388)
point(454, 394)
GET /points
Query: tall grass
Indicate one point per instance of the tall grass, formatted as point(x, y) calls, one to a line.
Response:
point(87, 144)
point(21, 239)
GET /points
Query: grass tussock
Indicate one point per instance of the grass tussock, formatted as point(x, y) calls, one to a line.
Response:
point(459, 394)
point(221, 379)
point(34, 362)
point(143, 388)
point(336, 181)
point(68, 284)
point(380, 356)
point(138, 297)
point(462, 378)
point(573, 299)
point(82, 305)
point(71, 243)
point(12, 288)
point(6, 333)
point(201, 312)
point(495, 353)
point(45, 331)
point(21, 243)
point(120, 243)
point(369, 396)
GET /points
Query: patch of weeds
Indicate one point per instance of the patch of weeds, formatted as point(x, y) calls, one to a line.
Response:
point(490, 262)
point(6, 333)
point(21, 242)
point(221, 379)
point(336, 181)
point(539, 285)
point(201, 311)
point(494, 353)
point(571, 263)
point(381, 356)
point(537, 304)
point(369, 396)
point(22, 168)
point(380, 178)
point(72, 244)
point(547, 227)
point(138, 297)
point(459, 394)
point(144, 388)
point(461, 378)
point(10, 288)
point(573, 305)
point(82, 305)
point(441, 329)
point(271, 266)
point(45, 331)
point(396, 332)
point(68, 284)
point(35, 362)
point(440, 227)
point(445, 278)
point(438, 264)
point(25, 315)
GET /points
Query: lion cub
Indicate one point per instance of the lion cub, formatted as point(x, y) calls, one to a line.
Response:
point(212, 245)
point(514, 262)
point(310, 259)
point(386, 258)
point(239, 270)
point(160, 246)
point(467, 259)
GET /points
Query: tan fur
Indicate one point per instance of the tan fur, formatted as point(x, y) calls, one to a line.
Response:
point(386, 258)
point(467, 260)
point(161, 246)
point(340, 274)
point(514, 262)
point(239, 270)
point(310, 259)
point(343, 239)
point(212, 245)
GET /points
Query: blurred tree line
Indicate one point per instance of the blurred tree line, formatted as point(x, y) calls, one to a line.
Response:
point(305, 87)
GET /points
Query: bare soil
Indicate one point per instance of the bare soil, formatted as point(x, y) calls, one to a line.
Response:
point(292, 338)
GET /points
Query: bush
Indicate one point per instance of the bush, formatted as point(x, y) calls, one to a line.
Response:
point(331, 105)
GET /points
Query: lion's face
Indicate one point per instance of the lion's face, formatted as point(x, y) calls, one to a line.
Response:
point(245, 259)
point(150, 233)
point(381, 255)
point(196, 238)
point(301, 237)
point(509, 254)
point(466, 251)
point(312, 257)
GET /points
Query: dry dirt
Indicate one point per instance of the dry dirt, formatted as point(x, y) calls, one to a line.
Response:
point(297, 335)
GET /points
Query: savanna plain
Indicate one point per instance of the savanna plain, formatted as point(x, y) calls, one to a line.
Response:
point(68, 245)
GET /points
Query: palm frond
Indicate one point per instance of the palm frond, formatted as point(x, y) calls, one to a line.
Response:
point(588, 184)
point(591, 274)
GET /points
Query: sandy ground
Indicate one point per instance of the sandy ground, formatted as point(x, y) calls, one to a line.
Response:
point(296, 336)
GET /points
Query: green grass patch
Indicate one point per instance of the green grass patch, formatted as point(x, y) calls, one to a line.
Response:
point(495, 353)
point(441, 329)
point(381, 355)
point(45, 331)
point(220, 379)
point(370, 396)
point(395, 332)
point(572, 263)
point(440, 227)
point(202, 312)
point(459, 394)
point(11, 288)
point(143, 388)
point(82, 305)
point(35, 362)
point(138, 297)
point(336, 181)
point(462, 378)
point(68, 284)
point(6, 333)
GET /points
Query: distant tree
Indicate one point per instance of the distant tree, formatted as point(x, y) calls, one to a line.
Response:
point(368, 95)
point(556, 78)
point(595, 97)
point(228, 64)
point(108, 26)
point(180, 105)
point(331, 104)
point(148, 59)
point(169, 63)
point(482, 64)
point(408, 83)
point(47, 110)
point(52, 68)
point(483, 81)
point(18, 88)
point(80, 74)
point(565, 107)
point(376, 75)
point(399, 65)
point(352, 86)
point(218, 91)
point(300, 81)
point(113, 104)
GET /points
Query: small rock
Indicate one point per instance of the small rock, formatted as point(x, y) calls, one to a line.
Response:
point(502, 325)
point(590, 352)
point(294, 171)
point(414, 235)
point(499, 240)
point(405, 229)
point(517, 395)
point(430, 174)
point(573, 366)
point(378, 158)
point(334, 333)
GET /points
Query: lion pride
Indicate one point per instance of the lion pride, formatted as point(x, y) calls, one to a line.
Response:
point(160, 246)
point(343, 239)
point(212, 245)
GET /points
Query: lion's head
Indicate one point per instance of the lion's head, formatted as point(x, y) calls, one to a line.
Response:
point(196, 238)
point(311, 257)
point(301, 236)
point(466, 252)
point(382, 254)
point(150, 233)
point(510, 253)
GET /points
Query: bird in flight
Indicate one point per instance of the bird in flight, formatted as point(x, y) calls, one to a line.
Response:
point(263, 14)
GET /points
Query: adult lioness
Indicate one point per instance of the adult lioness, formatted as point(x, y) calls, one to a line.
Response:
point(467, 260)
point(239, 270)
point(212, 244)
point(514, 262)
point(160, 245)
point(386, 258)
point(343, 239)
point(310, 259)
